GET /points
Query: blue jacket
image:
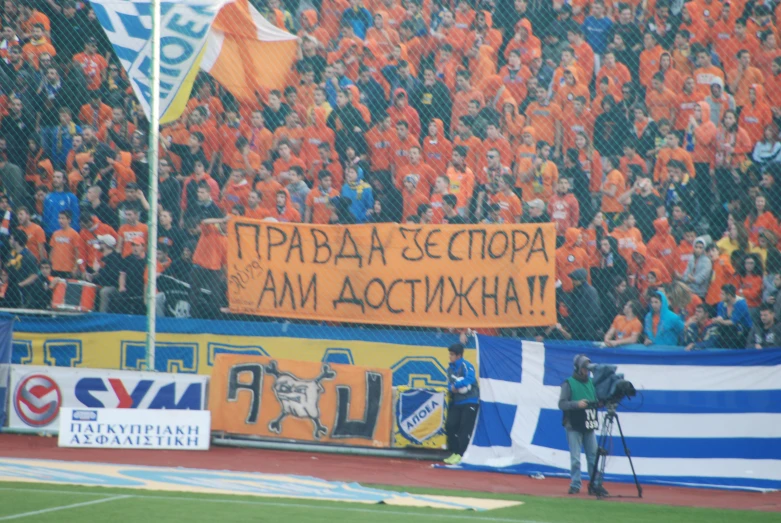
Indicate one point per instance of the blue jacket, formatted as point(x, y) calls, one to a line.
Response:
point(362, 199)
point(53, 204)
point(740, 315)
point(360, 19)
point(49, 143)
point(670, 325)
point(461, 375)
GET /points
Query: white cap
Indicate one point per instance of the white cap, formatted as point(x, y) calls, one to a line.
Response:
point(107, 239)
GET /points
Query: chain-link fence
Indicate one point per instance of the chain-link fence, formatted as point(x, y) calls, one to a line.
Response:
point(646, 132)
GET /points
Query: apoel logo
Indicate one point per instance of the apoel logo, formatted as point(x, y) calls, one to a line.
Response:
point(37, 400)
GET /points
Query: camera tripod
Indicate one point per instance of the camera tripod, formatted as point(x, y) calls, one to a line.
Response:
point(603, 451)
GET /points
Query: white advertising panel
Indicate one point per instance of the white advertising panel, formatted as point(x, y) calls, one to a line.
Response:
point(134, 429)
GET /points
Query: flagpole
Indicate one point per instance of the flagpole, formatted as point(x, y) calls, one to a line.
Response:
point(154, 143)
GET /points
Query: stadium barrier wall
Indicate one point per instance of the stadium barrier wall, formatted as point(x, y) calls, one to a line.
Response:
point(110, 341)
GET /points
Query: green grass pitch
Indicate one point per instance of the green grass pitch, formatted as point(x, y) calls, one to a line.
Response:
point(44, 503)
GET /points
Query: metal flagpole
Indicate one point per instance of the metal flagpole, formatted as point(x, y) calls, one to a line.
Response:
point(154, 141)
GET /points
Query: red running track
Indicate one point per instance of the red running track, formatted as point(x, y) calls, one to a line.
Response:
point(380, 471)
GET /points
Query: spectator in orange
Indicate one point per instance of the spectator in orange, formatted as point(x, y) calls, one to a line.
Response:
point(66, 248)
point(465, 138)
point(118, 131)
point(91, 229)
point(570, 90)
point(613, 186)
point(687, 101)
point(723, 273)
point(671, 151)
point(661, 101)
point(650, 59)
point(515, 75)
point(94, 112)
point(524, 41)
point(537, 175)
point(626, 328)
point(235, 192)
point(749, 281)
point(285, 162)
point(245, 159)
point(254, 209)
point(412, 197)
point(630, 157)
point(261, 139)
point(760, 219)
point(732, 146)
point(283, 211)
point(437, 149)
point(462, 179)
point(584, 55)
point(37, 45)
point(617, 72)
point(190, 187)
point(315, 135)
point(590, 161)
point(92, 64)
point(464, 94)
point(378, 143)
point(706, 73)
point(570, 257)
point(510, 208)
point(130, 230)
point(662, 245)
point(400, 145)
point(743, 77)
point(318, 201)
point(36, 238)
point(682, 53)
point(546, 117)
point(401, 111)
point(563, 208)
point(267, 186)
point(493, 140)
point(768, 51)
point(425, 175)
point(642, 264)
point(756, 114)
point(730, 36)
point(576, 118)
point(673, 80)
point(628, 236)
point(441, 188)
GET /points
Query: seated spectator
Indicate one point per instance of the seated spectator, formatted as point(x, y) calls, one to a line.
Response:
point(700, 331)
point(662, 326)
point(626, 328)
point(699, 269)
point(733, 319)
point(765, 333)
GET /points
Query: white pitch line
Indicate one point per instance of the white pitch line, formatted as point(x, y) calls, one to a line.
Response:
point(474, 517)
point(64, 507)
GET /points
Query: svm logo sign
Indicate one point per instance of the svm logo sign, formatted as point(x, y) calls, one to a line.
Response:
point(134, 394)
point(37, 400)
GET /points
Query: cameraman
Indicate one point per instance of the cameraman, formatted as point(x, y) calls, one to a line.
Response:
point(578, 401)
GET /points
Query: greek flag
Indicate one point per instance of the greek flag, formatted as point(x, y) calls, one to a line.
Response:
point(184, 29)
point(702, 419)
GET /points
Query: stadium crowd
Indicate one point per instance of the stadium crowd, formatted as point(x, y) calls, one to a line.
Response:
point(646, 131)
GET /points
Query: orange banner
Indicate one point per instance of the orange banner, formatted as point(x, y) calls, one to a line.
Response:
point(427, 276)
point(301, 400)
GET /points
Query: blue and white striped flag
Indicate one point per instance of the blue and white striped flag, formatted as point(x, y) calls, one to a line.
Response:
point(704, 419)
point(184, 30)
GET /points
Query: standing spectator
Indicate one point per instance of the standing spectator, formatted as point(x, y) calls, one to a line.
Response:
point(22, 270)
point(765, 333)
point(169, 188)
point(36, 238)
point(733, 319)
point(319, 198)
point(563, 208)
point(107, 275)
point(662, 325)
point(583, 307)
point(56, 201)
point(130, 297)
point(66, 247)
point(91, 64)
point(130, 230)
point(359, 193)
point(96, 205)
point(699, 269)
point(17, 128)
point(12, 178)
point(644, 204)
point(92, 229)
point(284, 211)
point(464, 401)
point(209, 258)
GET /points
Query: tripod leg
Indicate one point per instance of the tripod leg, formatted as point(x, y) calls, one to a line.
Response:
point(602, 452)
point(629, 457)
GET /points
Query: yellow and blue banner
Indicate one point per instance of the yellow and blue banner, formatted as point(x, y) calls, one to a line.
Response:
point(419, 417)
point(113, 341)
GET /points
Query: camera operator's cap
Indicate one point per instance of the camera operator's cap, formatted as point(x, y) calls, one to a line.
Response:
point(107, 239)
point(581, 361)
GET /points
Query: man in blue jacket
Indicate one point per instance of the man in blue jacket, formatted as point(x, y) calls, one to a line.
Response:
point(662, 326)
point(464, 400)
point(60, 199)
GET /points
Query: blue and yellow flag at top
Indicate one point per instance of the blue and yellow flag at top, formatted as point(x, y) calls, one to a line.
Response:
point(184, 29)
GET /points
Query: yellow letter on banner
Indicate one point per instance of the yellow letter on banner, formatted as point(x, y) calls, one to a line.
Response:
point(392, 274)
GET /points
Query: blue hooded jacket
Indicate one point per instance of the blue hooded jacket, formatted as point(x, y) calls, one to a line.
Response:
point(670, 325)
